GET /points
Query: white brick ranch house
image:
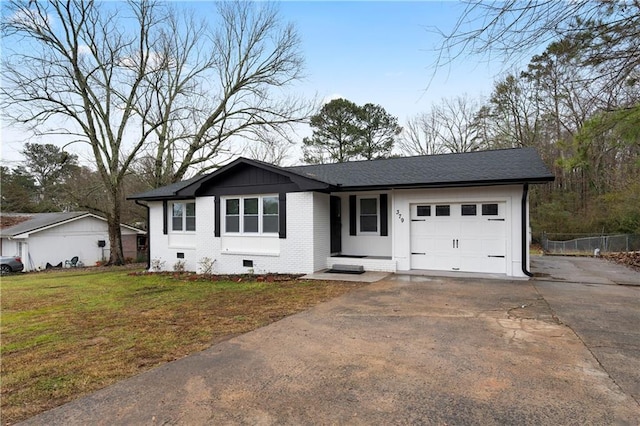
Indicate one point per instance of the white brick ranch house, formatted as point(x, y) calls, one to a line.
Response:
point(452, 212)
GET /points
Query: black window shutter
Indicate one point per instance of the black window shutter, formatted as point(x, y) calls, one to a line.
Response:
point(216, 218)
point(353, 223)
point(165, 214)
point(384, 225)
point(282, 215)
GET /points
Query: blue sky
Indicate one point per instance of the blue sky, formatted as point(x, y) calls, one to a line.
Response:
point(383, 52)
point(367, 52)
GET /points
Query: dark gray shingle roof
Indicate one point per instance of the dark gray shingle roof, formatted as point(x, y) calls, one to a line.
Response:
point(473, 168)
point(165, 191)
point(481, 167)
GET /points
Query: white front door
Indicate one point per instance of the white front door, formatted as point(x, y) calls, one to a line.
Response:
point(459, 237)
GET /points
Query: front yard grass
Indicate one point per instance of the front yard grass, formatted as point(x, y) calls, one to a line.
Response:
point(68, 333)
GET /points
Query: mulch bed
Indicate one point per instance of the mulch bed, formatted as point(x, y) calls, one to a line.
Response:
point(192, 276)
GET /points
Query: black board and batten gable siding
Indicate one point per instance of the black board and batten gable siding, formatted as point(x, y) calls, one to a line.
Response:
point(248, 179)
point(245, 180)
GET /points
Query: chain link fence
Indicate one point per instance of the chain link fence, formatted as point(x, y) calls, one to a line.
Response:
point(589, 245)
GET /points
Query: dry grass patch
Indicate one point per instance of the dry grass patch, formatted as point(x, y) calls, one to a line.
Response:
point(68, 333)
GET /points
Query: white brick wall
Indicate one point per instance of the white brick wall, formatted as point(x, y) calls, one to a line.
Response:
point(165, 248)
point(306, 248)
point(297, 250)
point(294, 254)
point(207, 246)
point(321, 230)
point(383, 265)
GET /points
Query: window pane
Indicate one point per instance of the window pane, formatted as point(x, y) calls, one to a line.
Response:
point(270, 205)
point(176, 218)
point(424, 210)
point(368, 206)
point(233, 206)
point(232, 224)
point(270, 224)
point(190, 221)
point(251, 206)
point(270, 214)
point(251, 223)
point(489, 210)
point(368, 223)
point(443, 210)
point(468, 210)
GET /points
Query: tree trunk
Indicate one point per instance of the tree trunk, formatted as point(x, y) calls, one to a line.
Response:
point(116, 255)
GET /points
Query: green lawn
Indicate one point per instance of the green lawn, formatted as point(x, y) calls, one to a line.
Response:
point(67, 333)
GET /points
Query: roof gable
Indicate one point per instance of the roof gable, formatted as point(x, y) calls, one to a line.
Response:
point(37, 222)
point(238, 177)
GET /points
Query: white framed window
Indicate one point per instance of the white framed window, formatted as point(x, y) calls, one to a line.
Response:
point(251, 215)
point(368, 215)
point(183, 216)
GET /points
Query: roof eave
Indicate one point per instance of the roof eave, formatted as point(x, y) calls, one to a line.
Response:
point(162, 198)
point(27, 232)
point(501, 182)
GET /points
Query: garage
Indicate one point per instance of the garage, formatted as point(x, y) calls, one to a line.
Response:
point(461, 236)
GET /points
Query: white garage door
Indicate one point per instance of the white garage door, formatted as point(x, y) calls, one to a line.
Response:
point(468, 237)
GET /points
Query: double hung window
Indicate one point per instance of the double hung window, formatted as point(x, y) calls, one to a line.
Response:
point(369, 215)
point(251, 215)
point(183, 216)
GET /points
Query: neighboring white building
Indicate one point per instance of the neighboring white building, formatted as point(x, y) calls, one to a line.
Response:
point(53, 238)
point(453, 212)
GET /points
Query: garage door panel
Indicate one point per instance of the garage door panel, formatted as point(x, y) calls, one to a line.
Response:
point(473, 242)
point(494, 247)
point(494, 228)
point(485, 264)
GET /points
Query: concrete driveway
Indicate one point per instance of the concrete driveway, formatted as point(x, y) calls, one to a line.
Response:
point(408, 350)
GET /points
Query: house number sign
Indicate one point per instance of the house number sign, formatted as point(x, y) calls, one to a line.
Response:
point(400, 216)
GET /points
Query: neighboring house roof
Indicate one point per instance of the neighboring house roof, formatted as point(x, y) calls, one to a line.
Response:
point(36, 222)
point(497, 167)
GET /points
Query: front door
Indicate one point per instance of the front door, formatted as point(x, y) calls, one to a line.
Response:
point(336, 224)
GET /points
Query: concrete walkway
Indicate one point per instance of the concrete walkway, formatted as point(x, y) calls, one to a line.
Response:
point(407, 350)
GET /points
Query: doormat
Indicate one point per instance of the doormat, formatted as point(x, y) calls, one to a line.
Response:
point(349, 255)
point(343, 271)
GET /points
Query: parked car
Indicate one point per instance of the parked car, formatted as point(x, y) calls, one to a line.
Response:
point(10, 264)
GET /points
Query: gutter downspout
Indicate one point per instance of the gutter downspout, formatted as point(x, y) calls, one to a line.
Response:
point(525, 248)
point(146, 206)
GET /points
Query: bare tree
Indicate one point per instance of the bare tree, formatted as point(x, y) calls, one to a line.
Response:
point(511, 30)
point(449, 126)
point(457, 130)
point(511, 117)
point(270, 147)
point(139, 78)
point(421, 136)
point(203, 95)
